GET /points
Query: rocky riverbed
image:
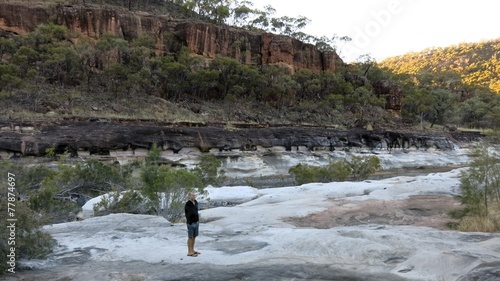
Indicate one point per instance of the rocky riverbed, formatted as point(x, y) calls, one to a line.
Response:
point(389, 229)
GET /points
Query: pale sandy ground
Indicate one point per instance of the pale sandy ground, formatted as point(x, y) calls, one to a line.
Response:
point(417, 210)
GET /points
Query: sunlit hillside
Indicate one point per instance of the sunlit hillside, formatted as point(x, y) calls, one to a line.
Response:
point(476, 63)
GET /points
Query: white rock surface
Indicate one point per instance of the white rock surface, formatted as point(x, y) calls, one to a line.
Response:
point(254, 241)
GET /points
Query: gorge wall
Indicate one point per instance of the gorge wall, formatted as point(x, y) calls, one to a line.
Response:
point(101, 138)
point(169, 31)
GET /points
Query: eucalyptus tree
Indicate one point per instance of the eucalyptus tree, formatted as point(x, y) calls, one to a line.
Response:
point(324, 43)
point(7, 47)
point(203, 84)
point(9, 77)
point(473, 111)
point(241, 12)
point(166, 188)
point(280, 87)
point(60, 63)
point(261, 19)
point(217, 11)
point(365, 106)
point(171, 77)
point(442, 104)
point(309, 83)
point(229, 73)
point(235, 78)
point(335, 43)
point(334, 83)
point(110, 50)
point(417, 106)
point(482, 110)
point(87, 51)
point(288, 25)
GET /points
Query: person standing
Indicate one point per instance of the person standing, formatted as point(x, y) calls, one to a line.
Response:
point(192, 221)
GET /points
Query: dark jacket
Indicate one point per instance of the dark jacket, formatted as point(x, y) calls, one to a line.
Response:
point(191, 211)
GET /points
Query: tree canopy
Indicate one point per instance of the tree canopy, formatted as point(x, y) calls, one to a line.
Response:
point(473, 64)
point(48, 70)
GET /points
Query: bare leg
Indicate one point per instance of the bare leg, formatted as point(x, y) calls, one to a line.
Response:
point(190, 243)
point(189, 246)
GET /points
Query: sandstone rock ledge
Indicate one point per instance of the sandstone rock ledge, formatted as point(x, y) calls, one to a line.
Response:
point(202, 38)
point(101, 138)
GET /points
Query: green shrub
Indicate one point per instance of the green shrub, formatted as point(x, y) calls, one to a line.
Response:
point(59, 191)
point(28, 179)
point(480, 190)
point(168, 190)
point(304, 173)
point(209, 170)
point(122, 202)
point(51, 208)
point(363, 167)
point(339, 171)
point(164, 192)
point(334, 171)
point(30, 241)
point(359, 168)
point(161, 190)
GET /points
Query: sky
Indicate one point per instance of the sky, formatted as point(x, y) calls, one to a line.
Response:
point(385, 28)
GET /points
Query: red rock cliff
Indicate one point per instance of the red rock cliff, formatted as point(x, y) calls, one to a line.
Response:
point(202, 38)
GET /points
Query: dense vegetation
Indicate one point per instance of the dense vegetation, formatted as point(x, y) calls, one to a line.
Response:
point(356, 169)
point(46, 73)
point(470, 64)
point(442, 81)
point(480, 190)
point(28, 239)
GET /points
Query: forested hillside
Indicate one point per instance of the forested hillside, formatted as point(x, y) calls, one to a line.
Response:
point(475, 63)
point(55, 72)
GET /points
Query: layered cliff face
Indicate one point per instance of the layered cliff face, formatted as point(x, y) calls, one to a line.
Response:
point(34, 138)
point(21, 19)
point(201, 38)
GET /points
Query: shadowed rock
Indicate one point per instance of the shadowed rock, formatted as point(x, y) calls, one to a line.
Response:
point(102, 137)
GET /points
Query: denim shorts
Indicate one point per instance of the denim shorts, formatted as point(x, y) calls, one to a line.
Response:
point(193, 229)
